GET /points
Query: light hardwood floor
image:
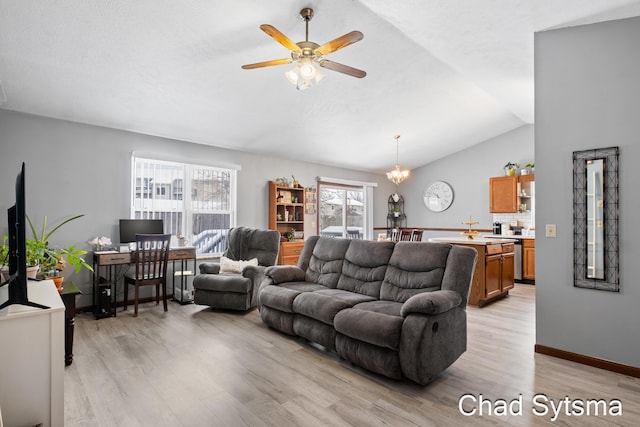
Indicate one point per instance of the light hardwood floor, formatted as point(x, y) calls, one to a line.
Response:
point(196, 367)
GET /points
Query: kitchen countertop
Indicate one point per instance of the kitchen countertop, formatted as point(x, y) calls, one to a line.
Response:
point(476, 240)
point(504, 236)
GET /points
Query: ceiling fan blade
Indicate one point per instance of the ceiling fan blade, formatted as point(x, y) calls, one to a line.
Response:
point(279, 37)
point(339, 43)
point(268, 63)
point(341, 68)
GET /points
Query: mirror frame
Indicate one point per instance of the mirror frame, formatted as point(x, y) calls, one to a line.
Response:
point(611, 281)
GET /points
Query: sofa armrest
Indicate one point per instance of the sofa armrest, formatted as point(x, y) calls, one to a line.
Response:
point(254, 271)
point(284, 273)
point(431, 302)
point(210, 267)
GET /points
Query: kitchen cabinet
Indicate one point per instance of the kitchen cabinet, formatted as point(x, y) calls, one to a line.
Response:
point(511, 194)
point(529, 259)
point(493, 276)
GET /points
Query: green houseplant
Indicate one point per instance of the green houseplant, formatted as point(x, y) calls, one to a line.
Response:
point(51, 260)
point(510, 168)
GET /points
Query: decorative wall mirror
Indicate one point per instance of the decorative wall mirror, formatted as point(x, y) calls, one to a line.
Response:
point(595, 219)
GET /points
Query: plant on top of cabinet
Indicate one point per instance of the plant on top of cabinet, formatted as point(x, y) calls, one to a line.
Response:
point(510, 168)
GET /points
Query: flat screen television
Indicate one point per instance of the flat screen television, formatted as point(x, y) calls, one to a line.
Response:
point(18, 249)
point(130, 227)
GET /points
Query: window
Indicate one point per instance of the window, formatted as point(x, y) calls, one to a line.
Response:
point(159, 190)
point(344, 208)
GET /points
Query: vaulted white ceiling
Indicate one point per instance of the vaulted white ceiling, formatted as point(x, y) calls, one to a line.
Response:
point(444, 74)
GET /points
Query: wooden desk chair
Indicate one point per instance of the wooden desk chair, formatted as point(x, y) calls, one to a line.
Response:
point(416, 235)
point(150, 269)
point(405, 235)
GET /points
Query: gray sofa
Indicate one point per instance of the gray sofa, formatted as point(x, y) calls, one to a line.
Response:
point(397, 309)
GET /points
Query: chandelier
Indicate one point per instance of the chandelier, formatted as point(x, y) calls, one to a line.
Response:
point(397, 176)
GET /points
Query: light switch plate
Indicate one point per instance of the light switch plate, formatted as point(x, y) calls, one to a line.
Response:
point(550, 230)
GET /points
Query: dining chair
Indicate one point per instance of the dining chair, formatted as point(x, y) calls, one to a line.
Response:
point(405, 235)
point(416, 235)
point(149, 269)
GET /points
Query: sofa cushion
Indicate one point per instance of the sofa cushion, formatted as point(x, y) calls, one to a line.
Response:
point(228, 265)
point(374, 327)
point(222, 283)
point(414, 267)
point(324, 304)
point(281, 297)
point(364, 267)
point(325, 263)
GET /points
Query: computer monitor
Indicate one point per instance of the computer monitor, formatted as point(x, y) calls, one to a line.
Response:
point(130, 227)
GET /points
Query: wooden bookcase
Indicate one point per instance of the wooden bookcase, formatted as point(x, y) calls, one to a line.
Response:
point(286, 214)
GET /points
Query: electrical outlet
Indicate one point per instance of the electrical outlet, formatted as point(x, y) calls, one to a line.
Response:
point(550, 230)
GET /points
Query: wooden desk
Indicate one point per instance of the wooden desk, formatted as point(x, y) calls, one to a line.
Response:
point(104, 295)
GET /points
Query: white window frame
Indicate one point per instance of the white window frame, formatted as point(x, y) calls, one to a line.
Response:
point(366, 187)
point(188, 209)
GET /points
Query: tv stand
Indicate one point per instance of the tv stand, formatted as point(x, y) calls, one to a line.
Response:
point(11, 301)
point(32, 358)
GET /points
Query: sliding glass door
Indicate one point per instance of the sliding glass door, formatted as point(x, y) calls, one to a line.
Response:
point(342, 211)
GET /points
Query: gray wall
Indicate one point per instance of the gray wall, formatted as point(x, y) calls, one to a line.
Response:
point(468, 173)
point(587, 96)
point(74, 168)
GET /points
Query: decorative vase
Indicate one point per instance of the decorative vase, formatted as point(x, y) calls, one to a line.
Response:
point(58, 281)
point(32, 271)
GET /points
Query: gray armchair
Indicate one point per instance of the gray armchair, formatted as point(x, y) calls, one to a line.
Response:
point(238, 291)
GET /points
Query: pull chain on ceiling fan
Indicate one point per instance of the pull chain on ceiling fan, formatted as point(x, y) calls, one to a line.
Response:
point(308, 55)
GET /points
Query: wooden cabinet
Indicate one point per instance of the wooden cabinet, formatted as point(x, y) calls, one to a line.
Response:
point(493, 276)
point(32, 359)
point(510, 194)
point(286, 214)
point(290, 252)
point(529, 259)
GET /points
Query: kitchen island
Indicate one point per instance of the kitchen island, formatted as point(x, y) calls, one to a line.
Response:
point(493, 276)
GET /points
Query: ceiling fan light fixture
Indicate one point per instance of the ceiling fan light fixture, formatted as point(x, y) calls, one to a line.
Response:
point(309, 56)
point(305, 75)
point(397, 176)
point(307, 69)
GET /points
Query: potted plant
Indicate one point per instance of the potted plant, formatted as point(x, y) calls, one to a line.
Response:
point(530, 167)
point(510, 168)
point(53, 260)
point(4, 256)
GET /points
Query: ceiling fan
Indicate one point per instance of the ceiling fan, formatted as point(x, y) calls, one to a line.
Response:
point(308, 55)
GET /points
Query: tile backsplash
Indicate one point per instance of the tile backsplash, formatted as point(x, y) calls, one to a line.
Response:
point(525, 219)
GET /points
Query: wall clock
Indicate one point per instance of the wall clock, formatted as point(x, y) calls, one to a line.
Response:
point(438, 196)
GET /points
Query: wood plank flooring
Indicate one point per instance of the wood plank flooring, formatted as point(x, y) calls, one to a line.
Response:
point(193, 366)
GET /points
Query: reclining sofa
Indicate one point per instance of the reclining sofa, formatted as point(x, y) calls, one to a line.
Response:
point(397, 309)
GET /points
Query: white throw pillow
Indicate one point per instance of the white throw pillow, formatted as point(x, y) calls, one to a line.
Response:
point(228, 265)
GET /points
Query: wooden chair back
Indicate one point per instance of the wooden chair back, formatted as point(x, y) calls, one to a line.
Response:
point(416, 235)
point(405, 235)
point(150, 258)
